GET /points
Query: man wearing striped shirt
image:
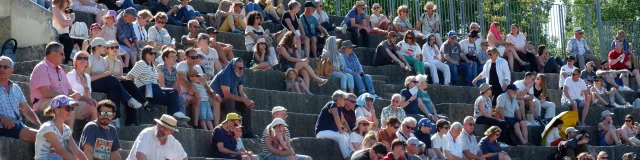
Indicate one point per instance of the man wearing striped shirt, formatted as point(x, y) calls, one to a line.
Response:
point(13, 102)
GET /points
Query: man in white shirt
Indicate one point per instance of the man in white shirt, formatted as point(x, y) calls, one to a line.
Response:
point(453, 149)
point(575, 94)
point(187, 88)
point(468, 141)
point(565, 71)
point(525, 96)
point(438, 140)
point(407, 128)
point(469, 47)
point(323, 17)
point(578, 47)
point(157, 142)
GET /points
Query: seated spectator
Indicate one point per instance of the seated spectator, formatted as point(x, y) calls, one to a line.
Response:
point(574, 143)
point(607, 133)
point(546, 63)
point(11, 121)
point(377, 151)
point(99, 139)
point(588, 73)
point(48, 81)
point(576, 95)
point(402, 23)
point(471, 49)
point(629, 130)
point(422, 133)
point(379, 22)
point(293, 83)
point(348, 111)
point(109, 26)
point(50, 142)
point(205, 94)
point(629, 156)
point(223, 141)
point(387, 134)
point(90, 7)
point(254, 7)
point(188, 92)
point(273, 9)
point(158, 35)
point(438, 139)
point(411, 51)
point(170, 11)
point(330, 123)
point(526, 98)
point(126, 35)
point(577, 46)
point(228, 83)
point(505, 48)
point(566, 70)
point(186, 12)
point(603, 155)
point(115, 66)
point(425, 104)
point(523, 49)
point(457, 61)
point(483, 110)
point(167, 73)
point(393, 110)
point(62, 20)
point(354, 68)
point(102, 80)
point(490, 147)
point(398, 150)
point(357, 23)
point(626, 47)
point(323, 18)
point(366, 109)
point(454, 145)
point(496, 73)
point(118, 5)
point(157, 142)
point(429, 22)
point(432, 59)
point(224, 49)
point(95, 31)
point(415, 149)
point(553, 136)
point(268, 149)
point(330, 52)
point(145, 77)
point(406, 129)
point(620, 60)
point(610, 98)
point(356, 137)
point(255, 31)
point(291, 22)
point(240, 145)
point(311, 27)
point(211, 62)
point(140, 25)
point(509, 111)
point(261, 56)
point(387, 52)
point(541, 100)
point(191, 39)
point(614, 78)
point(370, 139)
point(233, 19)
point(289, 58)
point(468, 141)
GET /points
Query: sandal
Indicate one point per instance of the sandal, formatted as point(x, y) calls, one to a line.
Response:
point(322, 82)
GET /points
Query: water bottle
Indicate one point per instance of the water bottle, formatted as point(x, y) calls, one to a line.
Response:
point(173, 41)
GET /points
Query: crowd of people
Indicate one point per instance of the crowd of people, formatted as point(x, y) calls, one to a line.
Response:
point(144, 67)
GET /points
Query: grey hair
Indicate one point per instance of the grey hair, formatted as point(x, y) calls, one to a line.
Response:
point(396, 95)
point(469, 118)
point(193, 21)
point(474, 23)
point(7, 58)
point(351, 95)
point(338, 95)
point(455, 125)
point(421, 78)
point(318, 2)
point(407, 120)
point(408, 80)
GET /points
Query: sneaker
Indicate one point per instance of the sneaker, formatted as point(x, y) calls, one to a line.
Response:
point(628, 105)
point(529, 123)
point(322, 82)
point(502, 145)
point(343, 29)
point(618, 106)
point(149, 107)
point(624, 88)
point(181, 117)
point(133, 103)
point(116, 122)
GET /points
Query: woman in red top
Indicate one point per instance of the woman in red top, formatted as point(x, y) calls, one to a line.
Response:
point(618, 60)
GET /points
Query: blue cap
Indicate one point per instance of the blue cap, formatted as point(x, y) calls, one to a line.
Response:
point(452, 34)
point(512, 87)
point(425, 122)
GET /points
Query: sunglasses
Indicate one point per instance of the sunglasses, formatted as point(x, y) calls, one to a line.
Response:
point(628, 120)
point(409, 37)
point(396, 127)
point(196, 76)
point(161, 22)
point(240, 68)
point(83, 58)
point(471, 124)
point(352, 101)
point(114, 47)
point(410, 128)
point(5, 66)
point(258, 17)
point(108, 114)
point(414, 81)
point(596, 80)
point(447, 127)
point(69, 108)
point(376, 7)
point(364, 124)
point(194, 57)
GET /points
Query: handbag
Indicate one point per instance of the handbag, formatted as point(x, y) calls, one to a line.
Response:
point(324, 68)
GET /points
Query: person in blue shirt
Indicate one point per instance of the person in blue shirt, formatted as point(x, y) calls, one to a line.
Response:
point(228, 83)
point(331, 123)
point(422, 133)
point(311, 26)
point(164, 6)
point(625, 44)
point(489, 145)
point(410, 105)
point(125, 34)
point(355, 20)
point(353, 67)
point(223, 142)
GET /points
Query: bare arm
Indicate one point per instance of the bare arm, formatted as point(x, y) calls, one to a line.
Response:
point(161, 79)
point(283, 52)
point(354, 24)
point(53, 140)
point(141, 156)
point(115, 155)
point(30, 114)
point(88, 150)
point(336, 118)
point(268, 140)
point(226, 91)
point(470, 155)
point(75, 149)
point(58, 17)
point(289, 23)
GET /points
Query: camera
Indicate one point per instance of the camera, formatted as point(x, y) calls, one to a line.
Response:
point(68, 10)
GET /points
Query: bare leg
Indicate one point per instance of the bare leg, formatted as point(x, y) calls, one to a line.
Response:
point(299, 45)
point(532, 108)
point(636, 75)
point(203, 125)
point(126, 59)
point(509, 59)
point(516, 128)
point(585, 111)
point(524, 129)
point(209, 125)
point(522, 110)
point(513, 51)
point(305, 76)
point(262, 66)
point(195, 109)
point(304, 88)
point(625, 79)
point(216, 111)
point(28, 135)
point(314, 47)
point(307, 46)
point(301, 65)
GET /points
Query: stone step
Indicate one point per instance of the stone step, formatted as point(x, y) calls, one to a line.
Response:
point(126, 145)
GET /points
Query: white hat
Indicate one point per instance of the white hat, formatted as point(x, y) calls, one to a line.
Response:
point(606, 113)
point(277, 108)
point(261, 40)
point(168, 121)
point(578, 29)
point(570, 129)
point(360, 119)
point(277, 121)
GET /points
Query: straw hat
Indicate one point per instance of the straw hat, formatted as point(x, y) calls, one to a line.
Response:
point(168, 121)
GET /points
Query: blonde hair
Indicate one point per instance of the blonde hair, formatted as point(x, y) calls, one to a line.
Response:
point(374, 5)
point(49, 112)
point(402, 7)
point(408, 80)
point(430, 3)
point(492, 130)
point(144, 14)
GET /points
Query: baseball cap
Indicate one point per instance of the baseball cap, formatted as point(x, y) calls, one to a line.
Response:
point(570, 129)
point(211, 30)
point(233, 116)
point(606, 113)
point(572, 58)
point(277, 108)
point(95, 25)
point(425, 122)
point(309, 4)
point(98, 42)
point(131, 11)
point(414, 141)
point(62, 100)
point(452, 34)
point(512, 87)
point(473, 34)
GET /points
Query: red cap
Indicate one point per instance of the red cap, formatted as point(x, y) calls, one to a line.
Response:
point(95, 25)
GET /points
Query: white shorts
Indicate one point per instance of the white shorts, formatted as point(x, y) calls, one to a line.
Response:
point(501, 50)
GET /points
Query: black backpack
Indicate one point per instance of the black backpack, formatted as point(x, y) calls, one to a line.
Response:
point(9, 48)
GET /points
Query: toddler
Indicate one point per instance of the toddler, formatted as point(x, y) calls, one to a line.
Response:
point(294, 83)
point(206, 113)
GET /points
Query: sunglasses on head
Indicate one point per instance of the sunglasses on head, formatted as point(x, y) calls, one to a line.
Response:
point(83, 58)
point(108, 114)
point(5, 66)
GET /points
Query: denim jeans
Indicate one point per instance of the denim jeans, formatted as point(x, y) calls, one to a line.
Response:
point(328, 26)
point(255, 7)
point(361, 81)
point(126, 4)
point(184, 15)
point(114, 90)
point(174, 21)
point(164, 96)
point(346, 81)
point(353, 31)
point(469, 70)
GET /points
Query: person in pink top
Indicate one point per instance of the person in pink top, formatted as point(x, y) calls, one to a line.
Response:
point(49, 79)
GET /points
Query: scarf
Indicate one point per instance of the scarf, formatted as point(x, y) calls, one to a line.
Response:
point(83, 80)
point(330, 52)
point(495, 30)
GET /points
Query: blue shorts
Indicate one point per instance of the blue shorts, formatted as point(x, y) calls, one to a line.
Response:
point(274, 157)
point(511, 121)
point(567, 102)
point(13, 132)
point(127, 50)
point(205, 111)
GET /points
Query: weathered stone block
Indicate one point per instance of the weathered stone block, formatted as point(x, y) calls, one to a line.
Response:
point(309, 147)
